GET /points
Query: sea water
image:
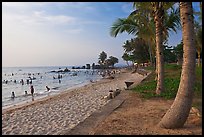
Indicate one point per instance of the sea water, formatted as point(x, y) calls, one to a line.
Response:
point(41, 77)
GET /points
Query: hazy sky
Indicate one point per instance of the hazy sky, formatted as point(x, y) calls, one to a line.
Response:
point(62, 33)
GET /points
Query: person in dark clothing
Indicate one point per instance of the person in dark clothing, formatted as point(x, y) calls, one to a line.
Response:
point(32, 90)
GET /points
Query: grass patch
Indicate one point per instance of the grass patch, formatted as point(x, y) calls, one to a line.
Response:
point(172, 75)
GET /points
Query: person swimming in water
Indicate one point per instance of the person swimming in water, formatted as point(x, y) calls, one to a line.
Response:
point(48, 89)
point(13, 95)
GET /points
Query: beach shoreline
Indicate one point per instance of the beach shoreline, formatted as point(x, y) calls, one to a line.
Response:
point(40, 99)
point(54, 114)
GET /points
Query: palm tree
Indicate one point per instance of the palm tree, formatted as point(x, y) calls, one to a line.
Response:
point(102, 58)
point(133, 25)
point(128, 48)
point(158, 12)
point(138, 21)
point(178, 113)
point(112, 61)
point(146, 30)
point(126, 58)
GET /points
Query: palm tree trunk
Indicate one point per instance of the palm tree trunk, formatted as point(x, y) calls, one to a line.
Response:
point(159, 49)
point(178, 113)
point(156, 68)
point(199, 59)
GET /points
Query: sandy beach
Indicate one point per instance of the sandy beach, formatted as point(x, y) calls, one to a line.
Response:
point(53, 115)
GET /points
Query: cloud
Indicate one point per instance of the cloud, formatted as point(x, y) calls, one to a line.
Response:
point(38, 18)
point(58, 19)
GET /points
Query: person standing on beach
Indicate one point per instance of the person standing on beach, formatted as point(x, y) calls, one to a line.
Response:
point(32, 89)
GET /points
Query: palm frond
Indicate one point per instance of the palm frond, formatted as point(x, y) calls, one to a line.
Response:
point(123, 25)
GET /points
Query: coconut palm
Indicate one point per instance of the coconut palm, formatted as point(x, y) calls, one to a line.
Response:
point(126, 58)
point(102, 58)
point(128, 46)
point(136, 27)
point(138, 48)
point(178, 113)
point(138, 23)
point(111, 61)
point(159, 14)
point(146, 30)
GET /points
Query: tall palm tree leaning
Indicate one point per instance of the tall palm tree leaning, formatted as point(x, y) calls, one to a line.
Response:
point(178, 113)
